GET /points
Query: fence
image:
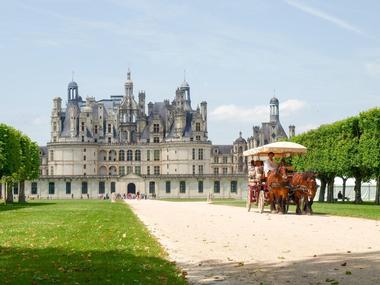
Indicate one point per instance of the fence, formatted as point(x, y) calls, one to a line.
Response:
point(368, 192)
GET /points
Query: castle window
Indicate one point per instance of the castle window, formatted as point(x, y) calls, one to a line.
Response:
point(82, 126)
point(193, 169)
point(84, 166)
point(109, 140)
point(240, 149)
point(152, 187)
point(51, 155)
point(138, 170)
point(121, 155)
point(225, 159)
point(148, 155)
point(216, 159)
point(197, 127)
point(129, 155)
point(193, 153)
point(34, 188)
point(156, 139)
point(82, 138)
point(68, 187)
point(138, 155)
point(200, 186)
point(197, 138)
point(233, 186)
point(122, 170)
point(216, 170)
point(51, 170)
point(109, 128)
point(156, 128)
point(54, 127)
point(84, 187)
point(129, 169)
point(96, 129)
point(200, 169)
point(156, 170)
point(216, 186)
point(182, 187)
point(224, 170)
point(51, 188)
point(102, 187)
point(167, 187)
point(84, 157)
point(113, 187)
point(156, 155)
point(200, 154)
point(148, 170)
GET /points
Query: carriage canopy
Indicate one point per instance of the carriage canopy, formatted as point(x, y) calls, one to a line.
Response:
point(280, 149)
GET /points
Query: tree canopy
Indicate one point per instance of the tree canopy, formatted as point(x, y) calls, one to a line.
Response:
point(347, 148)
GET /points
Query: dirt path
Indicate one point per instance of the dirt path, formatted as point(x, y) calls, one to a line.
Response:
point(227, 245)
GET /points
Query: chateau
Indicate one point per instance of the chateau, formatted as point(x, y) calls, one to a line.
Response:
point(121, 145)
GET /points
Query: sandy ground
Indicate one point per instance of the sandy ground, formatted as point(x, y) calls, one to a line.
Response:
point(216, 244)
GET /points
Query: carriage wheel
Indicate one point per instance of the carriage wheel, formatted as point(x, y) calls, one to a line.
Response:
point(261, 201)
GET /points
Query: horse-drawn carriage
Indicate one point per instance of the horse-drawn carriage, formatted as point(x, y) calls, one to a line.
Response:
point(281, 187)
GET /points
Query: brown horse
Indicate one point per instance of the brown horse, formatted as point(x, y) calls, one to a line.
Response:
point(305, 187)
point(278, 190)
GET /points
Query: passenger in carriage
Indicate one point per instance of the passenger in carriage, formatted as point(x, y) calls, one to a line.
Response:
point(269, 164)
point(255, 172)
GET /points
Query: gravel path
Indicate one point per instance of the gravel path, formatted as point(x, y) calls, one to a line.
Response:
point(216, 244)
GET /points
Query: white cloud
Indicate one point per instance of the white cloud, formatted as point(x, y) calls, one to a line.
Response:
point(325, 16)
point(255, 114)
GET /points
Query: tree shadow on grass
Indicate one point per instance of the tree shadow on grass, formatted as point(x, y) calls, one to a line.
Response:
point(329, 269)
point(17, 206)
point(65, 266)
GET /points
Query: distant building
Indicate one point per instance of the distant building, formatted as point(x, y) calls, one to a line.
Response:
point(271, 131)
point(118, 145)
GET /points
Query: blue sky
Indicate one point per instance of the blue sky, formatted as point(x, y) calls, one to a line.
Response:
point(322, 58)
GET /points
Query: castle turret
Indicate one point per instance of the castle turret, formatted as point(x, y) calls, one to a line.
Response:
point(142, 102)
point(274, 110)
point(292, 131)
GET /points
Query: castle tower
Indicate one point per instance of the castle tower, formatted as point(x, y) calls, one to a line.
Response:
point(274, 110)
point(292, 131)
point(72, 91)
point(129, 85)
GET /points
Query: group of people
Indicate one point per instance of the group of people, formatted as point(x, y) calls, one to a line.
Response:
point(259, 169)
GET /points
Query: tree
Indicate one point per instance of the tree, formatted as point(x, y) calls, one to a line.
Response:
point(9, 138)
point(370, 145)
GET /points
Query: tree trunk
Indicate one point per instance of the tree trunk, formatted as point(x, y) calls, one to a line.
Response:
point(21, 194)
point(377, 195)
point(344, 188)
point(330, 190)
point(9, 198)
point(358, 190)
point(1, 190)
point(322, 191)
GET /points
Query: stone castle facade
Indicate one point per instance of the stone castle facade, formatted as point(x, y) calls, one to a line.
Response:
point(121, 145)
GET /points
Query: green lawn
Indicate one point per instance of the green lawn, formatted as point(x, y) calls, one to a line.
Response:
point(365, 210)
point(79, 242)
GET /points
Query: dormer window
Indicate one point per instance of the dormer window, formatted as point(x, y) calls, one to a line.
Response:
point(156, 128)
point(198, 127)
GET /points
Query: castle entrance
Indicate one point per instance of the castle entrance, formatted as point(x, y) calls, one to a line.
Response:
point(131, 188)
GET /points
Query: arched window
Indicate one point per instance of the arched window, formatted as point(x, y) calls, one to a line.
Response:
point(121, 155)
point(138, 155)
point(129, 155)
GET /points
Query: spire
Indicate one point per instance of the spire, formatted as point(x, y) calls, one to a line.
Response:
point(129, 85)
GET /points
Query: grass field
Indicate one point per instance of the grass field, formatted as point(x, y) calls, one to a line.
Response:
point(365, 210)
point(79, 242)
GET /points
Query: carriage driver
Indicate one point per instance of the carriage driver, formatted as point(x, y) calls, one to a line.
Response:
point(269, 164)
